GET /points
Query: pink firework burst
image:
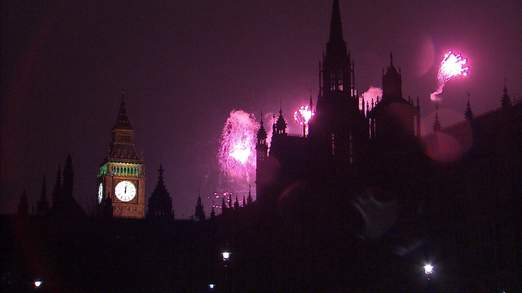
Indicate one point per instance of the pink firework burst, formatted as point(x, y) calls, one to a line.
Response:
point(237, 156)
point(453, 65)
point(302, 116)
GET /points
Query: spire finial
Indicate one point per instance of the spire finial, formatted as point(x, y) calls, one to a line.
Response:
point(506, 99)
point(122, 121)
point(336, 27)
point(160, 171)
point(468, 114)
point(249, 198)
point(391, 59)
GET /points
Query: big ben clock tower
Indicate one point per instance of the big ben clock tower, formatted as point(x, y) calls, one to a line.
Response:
point(121, 177)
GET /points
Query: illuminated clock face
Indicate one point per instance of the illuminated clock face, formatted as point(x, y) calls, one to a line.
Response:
point(100, 193)
point(125, 191)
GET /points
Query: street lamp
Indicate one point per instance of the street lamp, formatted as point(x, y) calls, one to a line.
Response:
point(226, 255)
point(428, 270)
point(211, 286)
point(37, 283)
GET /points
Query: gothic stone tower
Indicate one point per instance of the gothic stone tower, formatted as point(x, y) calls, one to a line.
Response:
point(121, 176)
point(339, 128)
point(394, 119)
point(261, 160)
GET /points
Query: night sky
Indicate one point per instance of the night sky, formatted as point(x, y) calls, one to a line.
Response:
point(186, 64)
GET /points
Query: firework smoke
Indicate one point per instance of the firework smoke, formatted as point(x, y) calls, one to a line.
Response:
point(453, 65)
point(237, 156)
point(271, 118)
point(373, 94)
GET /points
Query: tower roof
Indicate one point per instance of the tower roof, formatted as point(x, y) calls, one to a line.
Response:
point(261, 132)
point(122, 121)
point(281, 123)
point(505, 99)
point(392, 70)
point(336, 27)
point(160, 202)
point(468, 114)
point(160, 191)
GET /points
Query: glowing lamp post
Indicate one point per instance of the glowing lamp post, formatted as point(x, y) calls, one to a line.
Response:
point(226, 254)
point(211, 286)
point(37, 283)
point(428, 270)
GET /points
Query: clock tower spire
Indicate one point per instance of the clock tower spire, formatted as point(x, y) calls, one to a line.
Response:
point(121, 176)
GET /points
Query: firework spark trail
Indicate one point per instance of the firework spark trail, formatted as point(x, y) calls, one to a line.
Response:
point(302, 116)
point(453, 65)
point(236, 155)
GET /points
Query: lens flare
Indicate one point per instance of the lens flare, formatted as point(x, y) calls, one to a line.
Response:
point(453, 65)
point(302, 116)
point(236, 153)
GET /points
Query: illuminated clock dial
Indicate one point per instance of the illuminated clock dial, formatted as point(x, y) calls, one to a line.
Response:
point(100, 193)
point(125, 191)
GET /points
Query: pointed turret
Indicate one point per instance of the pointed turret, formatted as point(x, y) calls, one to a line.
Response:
point(249, 198)
point(261, 133)
point(122, 121)
point(468, 114)
point(68, 178)
point(160, 202)
point(280, 125)
point(199, 213)
point(57, 189)
point(336, 27)
point(224, 207)
point(391, 82)
point(506, 99)
point(43, 205)
point(122, 146)
point(64, 204)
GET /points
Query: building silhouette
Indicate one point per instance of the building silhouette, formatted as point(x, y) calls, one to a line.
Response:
point(357, 205)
